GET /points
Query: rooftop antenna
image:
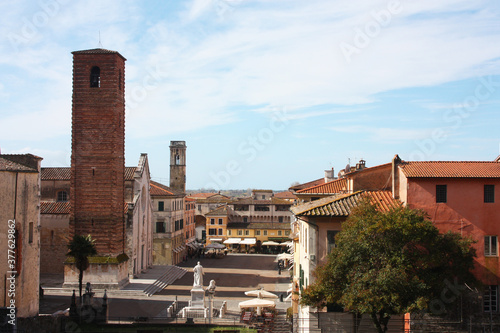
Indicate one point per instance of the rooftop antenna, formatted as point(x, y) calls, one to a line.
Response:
point(99, 45)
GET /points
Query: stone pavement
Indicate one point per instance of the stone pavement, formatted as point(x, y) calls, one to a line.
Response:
point(234, 274)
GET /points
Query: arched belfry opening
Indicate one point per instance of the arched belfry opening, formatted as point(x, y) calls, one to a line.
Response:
point(95, 77)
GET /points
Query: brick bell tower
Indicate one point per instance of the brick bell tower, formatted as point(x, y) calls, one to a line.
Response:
point(97, 193)
point(178, 165)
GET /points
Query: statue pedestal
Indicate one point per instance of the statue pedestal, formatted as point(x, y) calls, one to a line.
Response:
point(197, 297)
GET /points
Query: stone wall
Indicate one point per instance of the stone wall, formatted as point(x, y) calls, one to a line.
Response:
point(54, 242)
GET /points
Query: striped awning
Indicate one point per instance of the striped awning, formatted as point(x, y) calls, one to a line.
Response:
point(179, 249)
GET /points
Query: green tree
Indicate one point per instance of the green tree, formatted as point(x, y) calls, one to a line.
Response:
point(81, 248)
point(390, 263)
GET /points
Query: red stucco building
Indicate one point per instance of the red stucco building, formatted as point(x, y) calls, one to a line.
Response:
point(460, 197)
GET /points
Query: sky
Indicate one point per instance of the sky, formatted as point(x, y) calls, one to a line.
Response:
point(265, 93)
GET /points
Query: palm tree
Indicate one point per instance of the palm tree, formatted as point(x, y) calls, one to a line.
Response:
point(80, 248)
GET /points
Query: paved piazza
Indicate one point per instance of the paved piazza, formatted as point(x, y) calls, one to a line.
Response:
point(233, 274)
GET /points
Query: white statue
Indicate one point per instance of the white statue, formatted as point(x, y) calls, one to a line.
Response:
point(211, 286)
point(198, 275)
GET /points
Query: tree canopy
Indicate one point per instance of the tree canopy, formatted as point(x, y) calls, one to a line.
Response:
point(81, 248)
point(390, 263)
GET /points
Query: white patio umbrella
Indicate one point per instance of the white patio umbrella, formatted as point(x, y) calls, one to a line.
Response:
point(285, 256)
point(215, 246)
point(261, 293)
point(258, 303)
point(270, 243)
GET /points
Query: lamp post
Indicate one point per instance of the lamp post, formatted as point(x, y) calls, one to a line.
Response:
point(211, 292)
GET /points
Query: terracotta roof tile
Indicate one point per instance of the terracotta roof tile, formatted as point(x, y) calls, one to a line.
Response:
point(158, 189)
point(341, 205)
point(201, 195)
point(56, 173)
point(19, 162)
point(333, 187)
point(308, 184)
point(451, 169)
point(218, 211)
point(64, 173)
point(47, 207)
point(98, 51)
point(285, 195)
point(129, 173)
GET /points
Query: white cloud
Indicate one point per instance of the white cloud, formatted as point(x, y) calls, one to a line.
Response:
point(384, 134)
point(284, 58)
point(197, 66)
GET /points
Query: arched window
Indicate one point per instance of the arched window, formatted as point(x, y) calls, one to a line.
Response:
point(177, 160)
point(95, 77)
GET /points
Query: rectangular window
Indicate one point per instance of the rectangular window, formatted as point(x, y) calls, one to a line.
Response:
point(220, 232)
point(280, 219)
point(489, 193)
point(245, 219)
point(212, 232)
point(220, 221)
point(257, 232)
point(490, 246)
point(240, 232)
point(30, 238)
point(441, 193)
point(62, 196)
point(490, 299)
point(287, 232)
point(212, 221)
point(330, 239)
point(247, 232)
point(265, 232)
point(160, 227)
point(279, 232)
point(229, 232)
point(161, 206)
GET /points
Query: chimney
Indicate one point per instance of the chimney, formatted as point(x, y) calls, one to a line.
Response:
point(360, 165)
point(395, 176)
point(329, 175)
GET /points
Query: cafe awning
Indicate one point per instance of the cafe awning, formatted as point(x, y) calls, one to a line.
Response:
point(248, 241)
point(232, 241)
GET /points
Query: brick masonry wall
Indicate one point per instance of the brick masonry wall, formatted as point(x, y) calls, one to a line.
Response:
point(98, 151)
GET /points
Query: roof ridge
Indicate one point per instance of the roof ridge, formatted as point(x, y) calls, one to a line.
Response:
point(324, 184)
